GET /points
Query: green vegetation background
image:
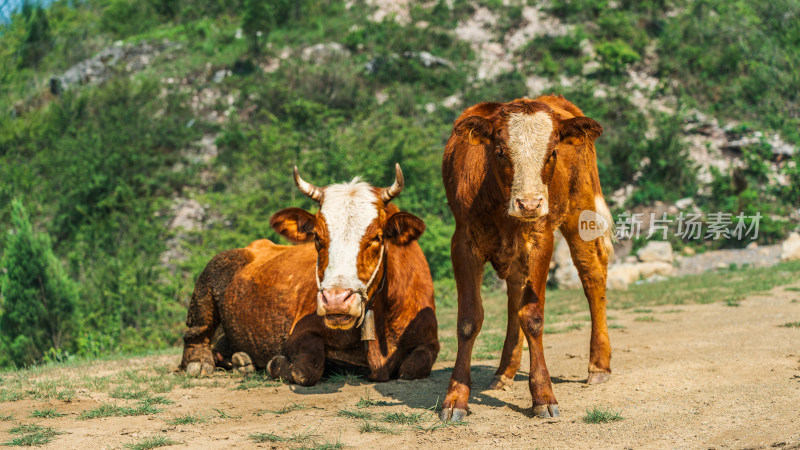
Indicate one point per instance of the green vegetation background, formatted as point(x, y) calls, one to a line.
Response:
point(98, 167)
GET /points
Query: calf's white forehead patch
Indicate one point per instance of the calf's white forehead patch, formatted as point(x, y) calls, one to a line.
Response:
point(528, 140)
point(348, 209)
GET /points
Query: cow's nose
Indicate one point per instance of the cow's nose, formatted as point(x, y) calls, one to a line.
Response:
point(336, 298)
point(529, 205)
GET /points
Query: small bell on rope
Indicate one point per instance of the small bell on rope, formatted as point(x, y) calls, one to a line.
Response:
point(368, 327)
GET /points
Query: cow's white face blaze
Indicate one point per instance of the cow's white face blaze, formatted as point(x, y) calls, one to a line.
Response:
point(351, 230)
point(347, 210)
point(529, 140)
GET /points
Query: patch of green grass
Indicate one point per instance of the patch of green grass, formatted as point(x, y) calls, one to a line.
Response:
point(366, 402)
point(187, 419)
point(616, 326)
point(555, 330)
point(301, 438)
point(792, 289)
point(642, 310)
point(11, 395)
point(32, 435)
point(152, 442)
point(286, 409)
point(346, 378)
point(47, 413)
point(109, 410)
point(369, 427)
point(156, 400)
point(255, 381)
point(601, 415)
point(327, 445)
point(225, 415)
point(403, 418)
point(791, 325)
point(672, 311)
point(355, 414)
point(6, 417)
point(128, 393)
point(732, 301)
point(645, 319)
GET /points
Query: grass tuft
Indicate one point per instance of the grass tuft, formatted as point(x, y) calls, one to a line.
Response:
point(47, 413)
point(642, 310)
point(368, 427)
point(255, 381)
point(109, 410)
point(355, 414)
point(225, 415)
point(645, 319)
point(6, 417)
point(32, 435)
point(403, 418)
point(286, 409)
point(301, 438)
point(366, 401)
point(601, 415)
point(791, 325)
point(187, 419)
point(152, 442)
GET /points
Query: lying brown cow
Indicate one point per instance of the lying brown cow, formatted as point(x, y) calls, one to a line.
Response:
point(514, 172)
point(291, 309)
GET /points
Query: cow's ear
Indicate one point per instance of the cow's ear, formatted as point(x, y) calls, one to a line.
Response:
point(295, 224)
point(403, 228)
point(581, 128)
point(475, 130)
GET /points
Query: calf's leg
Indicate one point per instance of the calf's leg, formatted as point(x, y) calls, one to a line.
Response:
point(468, 270)
point(591, 260)
point(512, 347)
point(531, 317)
point(419, 362)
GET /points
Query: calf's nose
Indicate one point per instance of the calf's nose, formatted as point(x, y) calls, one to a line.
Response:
point(529, 205)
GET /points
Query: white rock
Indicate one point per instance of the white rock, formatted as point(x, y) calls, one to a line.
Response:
point(684, 203)
point(790, 249)
point(656, 251)
point(649, 269)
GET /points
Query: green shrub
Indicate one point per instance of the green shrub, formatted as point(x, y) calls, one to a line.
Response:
point(38, 298)
point(615, 56)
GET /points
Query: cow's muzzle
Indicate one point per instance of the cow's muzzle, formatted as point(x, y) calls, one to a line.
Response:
point(528, 207)
point(339, 308)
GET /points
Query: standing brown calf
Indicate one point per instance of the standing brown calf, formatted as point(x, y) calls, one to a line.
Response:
point(514, 172)
point(360, 295)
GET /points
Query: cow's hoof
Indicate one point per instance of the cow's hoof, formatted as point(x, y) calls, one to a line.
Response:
point(242, 363)
point(199, 369)
point(452, 414)
point(500, 382)
point(545, 411)
point(598, 377)
point(279, 367)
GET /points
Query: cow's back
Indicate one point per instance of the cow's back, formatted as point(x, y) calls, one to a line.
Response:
point(267, 296)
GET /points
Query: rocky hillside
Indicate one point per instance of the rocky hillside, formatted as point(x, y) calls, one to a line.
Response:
point(144, 137)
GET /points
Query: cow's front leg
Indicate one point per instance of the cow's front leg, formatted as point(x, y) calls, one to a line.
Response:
point(304, 362)
point(419, 362)
point(468, 271)
point(531, 317)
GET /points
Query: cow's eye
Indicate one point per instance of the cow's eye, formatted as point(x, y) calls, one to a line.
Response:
point(552, 156)
point(317, 242)
point(377, 238)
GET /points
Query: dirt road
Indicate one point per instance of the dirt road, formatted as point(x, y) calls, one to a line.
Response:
point(694, 376)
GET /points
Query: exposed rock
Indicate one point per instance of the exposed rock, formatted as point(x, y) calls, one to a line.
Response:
point(118, 57)
point(790, 249)
point(648, 269)
point(220, 75)
point(656, 251)
point(453, 102)
point(566, 275)
point(684, 203)
point(427, 60)
point(324, 52)
point(399, 10)
point(761, 256)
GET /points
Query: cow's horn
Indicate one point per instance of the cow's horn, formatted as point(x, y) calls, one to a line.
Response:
point(387, 194)
point(313, 192)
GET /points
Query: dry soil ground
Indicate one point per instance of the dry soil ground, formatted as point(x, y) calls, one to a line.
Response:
point(684, 376)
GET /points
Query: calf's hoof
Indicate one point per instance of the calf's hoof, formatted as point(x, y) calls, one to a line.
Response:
point(500, 382)
point(598, 377)
point(242, 363)
point(199, 369)
point(452, 414)
point(545, 411)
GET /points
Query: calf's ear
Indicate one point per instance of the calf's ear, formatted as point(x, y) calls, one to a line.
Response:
point(580, 128)
point(295, 224)
point(475, 130)
point(403, 228)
